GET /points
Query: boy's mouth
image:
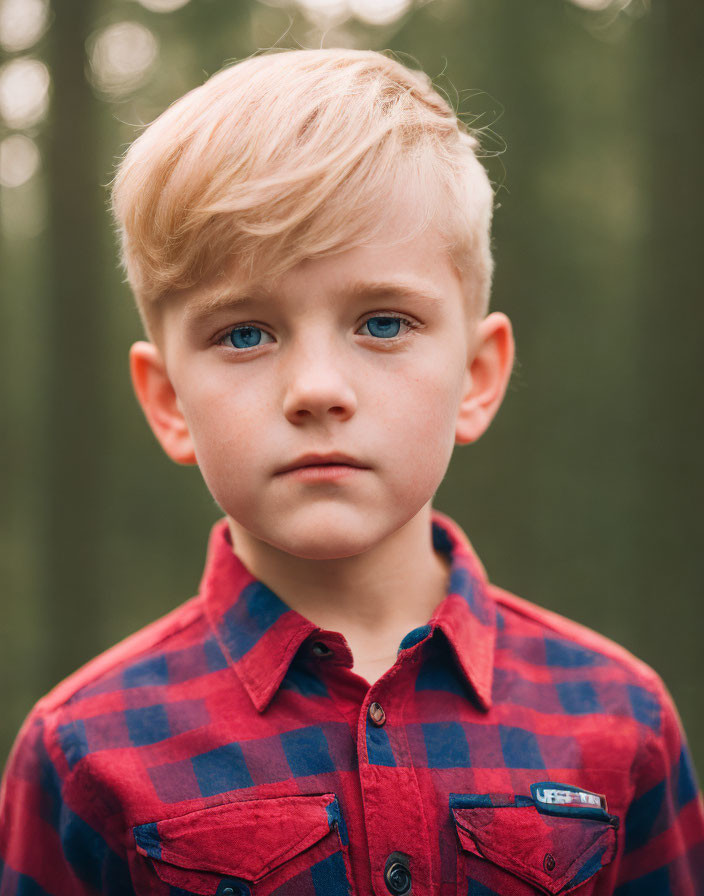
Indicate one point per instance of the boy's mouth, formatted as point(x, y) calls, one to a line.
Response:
point(323, 460)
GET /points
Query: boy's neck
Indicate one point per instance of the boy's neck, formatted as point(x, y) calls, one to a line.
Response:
point(373, 599)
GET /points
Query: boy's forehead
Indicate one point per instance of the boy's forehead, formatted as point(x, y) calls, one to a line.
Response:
point(418, 269)
point(230, 295)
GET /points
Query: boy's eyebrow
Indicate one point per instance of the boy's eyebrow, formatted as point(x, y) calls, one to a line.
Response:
point(393, 288)
point(231, 298)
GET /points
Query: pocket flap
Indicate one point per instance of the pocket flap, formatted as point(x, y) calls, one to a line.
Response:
point(555, 851)
point(244, 839)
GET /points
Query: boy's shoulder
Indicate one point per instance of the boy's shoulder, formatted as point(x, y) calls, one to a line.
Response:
point(182, 641)
point(531, 632)
point(138, 659)
point(576, 655)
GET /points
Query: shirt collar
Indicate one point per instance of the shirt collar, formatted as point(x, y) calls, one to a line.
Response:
point(467, 616)
point(260, 635)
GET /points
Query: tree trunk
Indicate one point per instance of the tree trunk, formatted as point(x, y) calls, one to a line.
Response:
point(70, 338)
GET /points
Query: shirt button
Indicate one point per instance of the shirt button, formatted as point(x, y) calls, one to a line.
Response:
point(397, 876)
point(377, 716)
point(230, 887)
point(320, 649)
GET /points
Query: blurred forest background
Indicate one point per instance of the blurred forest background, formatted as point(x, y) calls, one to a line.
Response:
point(584, 496)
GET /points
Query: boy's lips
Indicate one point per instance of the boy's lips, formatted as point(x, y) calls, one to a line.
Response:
point(314, 460)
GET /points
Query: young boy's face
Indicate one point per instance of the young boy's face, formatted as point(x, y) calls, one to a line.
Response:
point(369, 352)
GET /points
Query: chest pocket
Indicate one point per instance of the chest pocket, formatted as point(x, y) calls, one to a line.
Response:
point(505, 839)
point(290, 846)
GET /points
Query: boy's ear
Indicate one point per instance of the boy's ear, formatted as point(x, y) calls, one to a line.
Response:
point(160, 403)
point(488, 371)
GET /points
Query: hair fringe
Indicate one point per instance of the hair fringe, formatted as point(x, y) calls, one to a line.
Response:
point(239, 169)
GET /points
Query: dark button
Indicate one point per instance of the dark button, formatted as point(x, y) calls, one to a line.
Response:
point(320, 649)
point(397, 875)
point(229, 886)
point(549, 862)
point(377, 714)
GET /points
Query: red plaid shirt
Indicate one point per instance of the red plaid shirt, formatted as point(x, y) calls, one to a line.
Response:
point(229, 749)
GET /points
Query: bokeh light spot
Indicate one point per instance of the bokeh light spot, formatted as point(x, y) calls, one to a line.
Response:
point(19, 160)
point(379, 12)
point(593, 4)
point(163, 5)
point(24, 92)
point(22, 23)
point(325, 12)
point(121, 56)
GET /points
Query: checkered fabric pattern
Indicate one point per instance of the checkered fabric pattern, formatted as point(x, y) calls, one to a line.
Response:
point(229, 749)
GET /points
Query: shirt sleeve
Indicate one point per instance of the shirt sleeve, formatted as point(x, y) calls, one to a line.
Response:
point(47, 848)
point(663, 831)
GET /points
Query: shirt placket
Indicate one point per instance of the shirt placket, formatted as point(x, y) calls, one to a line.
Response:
point(395, 821)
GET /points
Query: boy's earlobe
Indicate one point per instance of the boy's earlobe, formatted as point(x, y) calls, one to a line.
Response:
point(160, 403)
point(487, 376)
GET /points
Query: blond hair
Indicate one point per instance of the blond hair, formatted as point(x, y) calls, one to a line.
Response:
point(289, 155)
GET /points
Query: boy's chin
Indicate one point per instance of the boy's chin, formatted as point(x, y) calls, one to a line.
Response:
point(311, 539)
point(330, 544)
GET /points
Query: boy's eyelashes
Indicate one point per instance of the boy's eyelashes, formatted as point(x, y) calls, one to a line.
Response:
point(381, 327)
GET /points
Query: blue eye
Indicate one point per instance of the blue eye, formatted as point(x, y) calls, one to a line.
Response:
point(384, 327)
point(248, 336)
point(245, 337)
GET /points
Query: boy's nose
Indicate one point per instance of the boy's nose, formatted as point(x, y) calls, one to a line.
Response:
point(318, 389)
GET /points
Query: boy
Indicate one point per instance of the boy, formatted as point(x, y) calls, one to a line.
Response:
point(348, 706)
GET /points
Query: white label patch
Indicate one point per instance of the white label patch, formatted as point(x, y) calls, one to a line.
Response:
point(551, 796)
